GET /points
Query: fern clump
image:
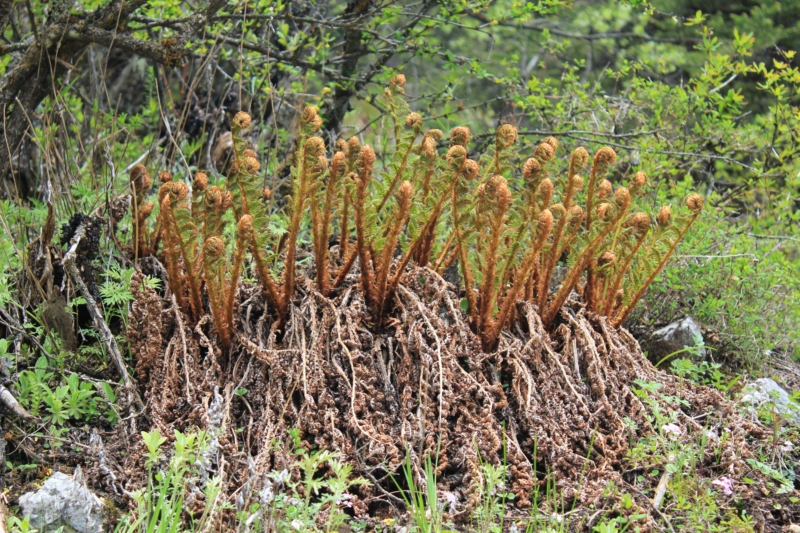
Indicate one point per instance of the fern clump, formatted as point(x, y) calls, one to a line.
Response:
point(507, 228)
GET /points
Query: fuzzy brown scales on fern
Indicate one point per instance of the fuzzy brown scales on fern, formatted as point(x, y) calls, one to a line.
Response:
point(507, 226)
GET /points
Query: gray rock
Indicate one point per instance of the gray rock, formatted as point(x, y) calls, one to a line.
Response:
point(765, 393)
point(63, 501)
point(676, 336)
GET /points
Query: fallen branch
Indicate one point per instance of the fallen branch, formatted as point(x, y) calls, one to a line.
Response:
point(12, 403)
point(97, 318)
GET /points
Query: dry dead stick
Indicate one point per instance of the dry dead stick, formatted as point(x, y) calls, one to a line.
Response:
point(661, 489)
point(3, 515)
point(9, 401)
point(105, 333)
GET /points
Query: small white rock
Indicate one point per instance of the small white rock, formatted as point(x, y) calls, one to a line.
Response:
point(63, 501)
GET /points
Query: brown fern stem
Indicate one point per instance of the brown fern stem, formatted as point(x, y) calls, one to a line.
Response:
point(243, 232)
point(364, 177)
point(347, 266)
point(173, 269)
point(447, 251)
point(616, 284)
point(399, 217)
point(469, 280)
point(322, 224)
point(523, 273)
point(192, 273)
point(397, 177)
point(214, 273)
point(625, 311)
point(574, 274)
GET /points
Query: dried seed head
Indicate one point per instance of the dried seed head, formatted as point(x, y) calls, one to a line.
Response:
point(146, 209)
point(604, 211)
point(414, 120)
point(252, 165)
point(315, 147)
point(214, 248)
point(544, 152)
point(213, 198)
point(436, 134)
point(266, 194)
point(695, 202)
point(575, 184)
point(531, 169)
point(575, 215)
point(505, 136)
point(200, 181)
point(580, 158)
point(640, 223)
point(353, 146)
point(604, 190)
point(664, 215)
point(398, 80)
point(244, 229)
point(164, 176)
point(429, 147)
point(455, 156)
point(241, 120)
point(340, 145)
point(227, 200)
point(605, 157)
point(339, 163)
point(622, 197)
point(471, 169)
point(459, 136)
point(366, 158)
point(639, 180)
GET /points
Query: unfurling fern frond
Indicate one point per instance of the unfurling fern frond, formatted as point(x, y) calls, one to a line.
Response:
point(507, 230)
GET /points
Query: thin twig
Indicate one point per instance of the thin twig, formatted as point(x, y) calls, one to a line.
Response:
point(97, 318)
point(11, 402)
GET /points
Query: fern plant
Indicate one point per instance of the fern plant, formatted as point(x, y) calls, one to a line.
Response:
point(507, 230)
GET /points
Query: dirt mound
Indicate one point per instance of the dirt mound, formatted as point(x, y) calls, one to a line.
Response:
point(421, 388)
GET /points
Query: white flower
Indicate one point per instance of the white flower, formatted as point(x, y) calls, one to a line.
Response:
point(725, 483)
point(673, 431)
point(296, 524)
point(787, 447)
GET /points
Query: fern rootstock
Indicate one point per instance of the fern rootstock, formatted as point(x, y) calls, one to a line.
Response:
point(509, 225)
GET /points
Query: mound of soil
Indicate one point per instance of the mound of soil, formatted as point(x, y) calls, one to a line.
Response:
point(556, 406)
